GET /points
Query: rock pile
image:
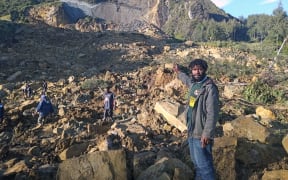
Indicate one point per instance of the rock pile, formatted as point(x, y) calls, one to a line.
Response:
point(146, 141)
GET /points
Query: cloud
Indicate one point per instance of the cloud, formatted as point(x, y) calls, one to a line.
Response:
point(268, 1)
point(222, 3)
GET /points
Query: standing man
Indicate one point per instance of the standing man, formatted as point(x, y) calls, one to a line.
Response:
point(109, 104)
point(44, 86)
point(44, 108)
point(1, 111)
point(29, 91)
point(24, 88)
point(202, 116)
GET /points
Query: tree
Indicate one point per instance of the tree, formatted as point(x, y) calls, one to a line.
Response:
point(215, 32)
point(258, 26)
point(198, 33)
point(279, 22)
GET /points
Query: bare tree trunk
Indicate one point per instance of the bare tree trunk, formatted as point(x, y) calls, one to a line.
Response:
point(278, 52)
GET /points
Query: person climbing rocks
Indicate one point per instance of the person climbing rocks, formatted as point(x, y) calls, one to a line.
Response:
point(44, 108)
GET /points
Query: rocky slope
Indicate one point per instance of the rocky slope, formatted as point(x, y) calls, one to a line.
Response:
point(171, 17)
point(144, 142)
point(153, 11)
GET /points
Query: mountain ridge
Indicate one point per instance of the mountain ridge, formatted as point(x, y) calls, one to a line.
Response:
point(170, 17)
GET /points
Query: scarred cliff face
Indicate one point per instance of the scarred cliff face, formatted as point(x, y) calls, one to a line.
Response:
point(124, 11)
point(128, 15)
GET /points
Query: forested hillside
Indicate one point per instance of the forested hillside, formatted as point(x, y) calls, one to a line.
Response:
point(201, 21)
point(205, 21)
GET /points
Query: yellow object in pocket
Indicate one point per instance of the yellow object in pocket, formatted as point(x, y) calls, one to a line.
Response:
point(192, 101)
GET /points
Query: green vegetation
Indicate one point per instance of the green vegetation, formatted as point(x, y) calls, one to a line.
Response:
point(230, 70)
point(179, 37)
point(262, 92)
point(268, 31)
point(8, 7)
point(14, 10)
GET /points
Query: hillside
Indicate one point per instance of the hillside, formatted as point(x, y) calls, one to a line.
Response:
point(142, 143)
point(174, 18)
point(153, 12)
point(196, 20)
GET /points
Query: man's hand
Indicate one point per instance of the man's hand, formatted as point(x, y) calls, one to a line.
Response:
point(204, 141)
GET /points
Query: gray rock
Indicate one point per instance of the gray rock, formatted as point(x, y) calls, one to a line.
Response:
point(96, 165)
point(167, 167)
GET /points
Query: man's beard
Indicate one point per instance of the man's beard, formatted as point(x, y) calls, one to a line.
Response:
point(200, 78)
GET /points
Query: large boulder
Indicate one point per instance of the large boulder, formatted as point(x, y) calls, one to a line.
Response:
point(277, 174)
point(21, 166)
point(167, 168)
point(224, 157)
point(96, 165)
point(265, 113)
point(285, 142)
point(247, 127)
point(73, 151)
point(172, 112)
point(254, 155)
point(142, 161)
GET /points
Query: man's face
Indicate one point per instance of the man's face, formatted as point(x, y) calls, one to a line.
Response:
point(197, 72)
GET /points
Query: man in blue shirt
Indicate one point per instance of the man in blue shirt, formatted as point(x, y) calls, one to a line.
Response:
point(1, 111)
point(44, 108)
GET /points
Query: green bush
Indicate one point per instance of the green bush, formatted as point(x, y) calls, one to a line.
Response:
point(261, 92)
point(179, 36)
point(13, 6)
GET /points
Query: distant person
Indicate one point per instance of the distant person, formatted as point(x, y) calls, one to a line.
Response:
point(24, 88)
point(44, 108)
point(27, 90)
point(1, 111)
point(109, 104)
point(201, 118)
point(44, 87)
